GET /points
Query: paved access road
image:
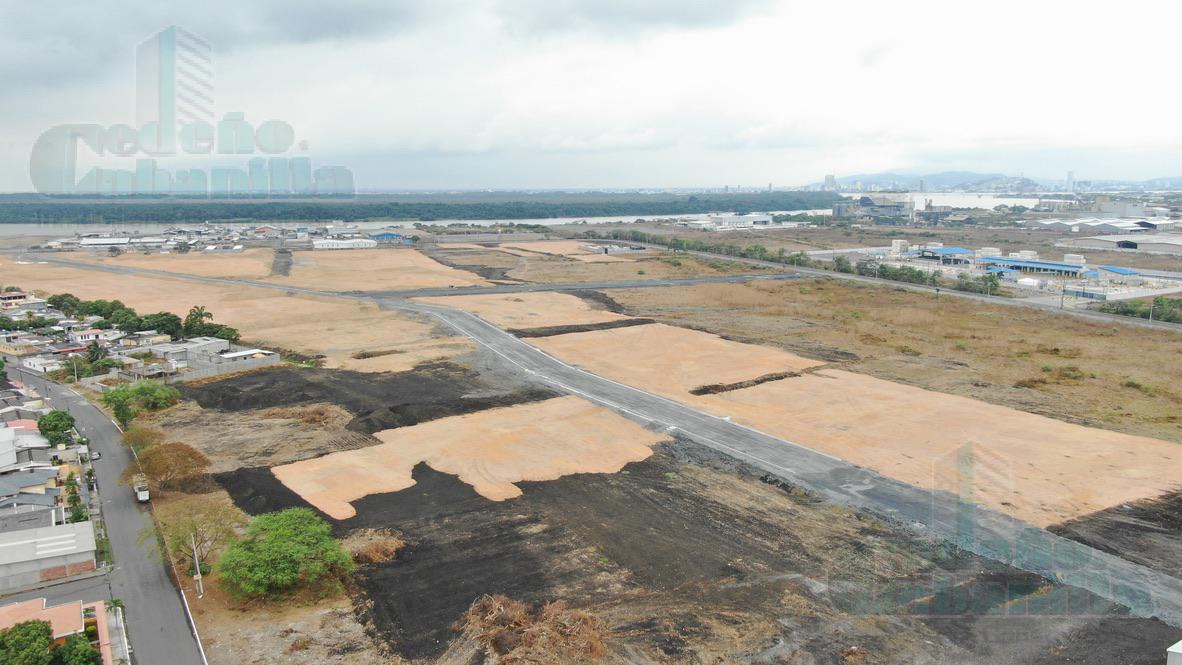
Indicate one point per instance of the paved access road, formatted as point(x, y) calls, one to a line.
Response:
point(932, 513)
point(157, 626)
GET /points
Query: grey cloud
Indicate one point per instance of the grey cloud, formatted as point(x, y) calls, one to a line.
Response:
point(50, 44)
point(621, 17)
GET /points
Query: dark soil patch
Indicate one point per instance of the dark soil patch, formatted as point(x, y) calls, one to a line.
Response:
point(599, 298)
point(1108, 640)
point(379, 401)
point(549, 331)
point(256, 491)
point(491, 273)
point(281, 263)
point(1148, 532)
point(715, 388)
point(680, 563)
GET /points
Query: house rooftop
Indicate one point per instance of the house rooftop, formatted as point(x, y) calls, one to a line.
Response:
point(36, 544)
point(65, 620)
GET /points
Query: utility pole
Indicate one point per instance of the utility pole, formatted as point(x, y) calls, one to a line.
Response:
point(197, 567)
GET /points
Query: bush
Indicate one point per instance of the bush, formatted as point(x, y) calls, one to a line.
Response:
point(127, 400)
point(282, 552)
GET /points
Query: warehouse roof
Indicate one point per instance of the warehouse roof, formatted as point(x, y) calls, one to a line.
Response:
point(1142, 239)
point(1026, 263)
point(1119, 270)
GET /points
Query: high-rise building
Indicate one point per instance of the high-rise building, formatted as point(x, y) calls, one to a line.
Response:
point(174, 84)
point(1071, 181)
point(830, 183)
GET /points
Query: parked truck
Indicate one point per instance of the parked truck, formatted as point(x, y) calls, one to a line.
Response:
point(140, 484)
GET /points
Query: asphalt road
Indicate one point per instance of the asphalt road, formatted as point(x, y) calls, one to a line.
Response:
point(157, 626)
point(930, 513)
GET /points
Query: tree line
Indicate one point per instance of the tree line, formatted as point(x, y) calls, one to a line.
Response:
point(526, 207)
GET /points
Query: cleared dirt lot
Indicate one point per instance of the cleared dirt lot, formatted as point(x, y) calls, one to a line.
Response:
point(333, 328)
point(694, 559)
point(538, 441)
point(669, 360)
point(1033, 467)
point(372, 270)
point(529, 310)
point(252, 263)
point(286, 414)
point(569, 248)
point(1101, 375)
point(520, 265)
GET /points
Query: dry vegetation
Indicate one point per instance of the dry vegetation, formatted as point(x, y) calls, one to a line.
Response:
point(1115, 377)
point(810, 239)
point(528, 266)
point(248, 264)
point(262, 437)
point(372, 270)
point(513, 634)
point(368, 546)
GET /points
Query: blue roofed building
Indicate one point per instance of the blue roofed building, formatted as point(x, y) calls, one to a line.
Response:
point(945, 255)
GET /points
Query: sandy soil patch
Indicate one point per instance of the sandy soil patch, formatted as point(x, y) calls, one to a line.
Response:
point(669, 360)
point(528, 310)
point(252, 263)
point(1091, 373)
point(557, 247)
point(1036, 468)
point(1033, 467)
point(490, 450)
point(571, 249)
point(373, 270)
point(336, 329)
point(601, 258)
point(458, 245)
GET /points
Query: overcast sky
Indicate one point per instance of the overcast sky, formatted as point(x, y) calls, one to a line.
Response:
point(635, 93)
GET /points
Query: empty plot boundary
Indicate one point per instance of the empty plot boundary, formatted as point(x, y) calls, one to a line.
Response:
point(550, 331)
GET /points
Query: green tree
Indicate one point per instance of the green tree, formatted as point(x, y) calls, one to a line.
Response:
point(281, 552)
point(66, 303)
point(196, 319)
point(56, 426)
point(26, 643)
point(127, 400)
point(76, 651)
point(194, 521)
point(95, 352)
